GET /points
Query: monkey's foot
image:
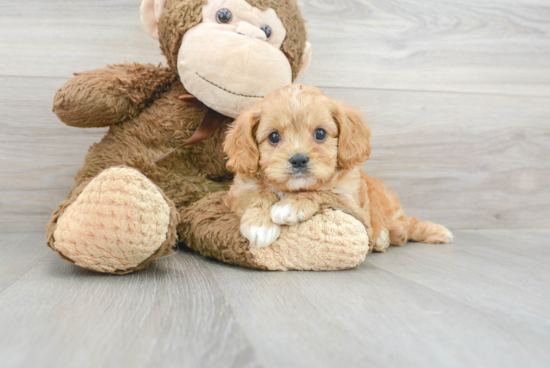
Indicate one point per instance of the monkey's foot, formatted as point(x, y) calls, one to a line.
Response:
point(119, 223)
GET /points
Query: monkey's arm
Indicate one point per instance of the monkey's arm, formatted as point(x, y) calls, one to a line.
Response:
point(107, 96)
point(334, 239)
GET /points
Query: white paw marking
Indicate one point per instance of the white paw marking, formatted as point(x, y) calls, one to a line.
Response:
point(285, 214)
point(383, 240)
point(261, 236)
point(279, 212)
point(447, 237)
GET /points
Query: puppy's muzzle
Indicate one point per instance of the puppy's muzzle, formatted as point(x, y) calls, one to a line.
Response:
point(299, 162)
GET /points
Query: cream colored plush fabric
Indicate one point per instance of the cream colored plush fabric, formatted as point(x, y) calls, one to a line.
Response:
point(243, 66)
point(331, 240)
point(116, 223)
point(149, 12)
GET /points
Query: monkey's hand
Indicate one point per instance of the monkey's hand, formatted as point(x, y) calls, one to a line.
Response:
point(107, 96)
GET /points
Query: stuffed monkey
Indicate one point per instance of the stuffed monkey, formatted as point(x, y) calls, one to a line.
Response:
point(128, 208)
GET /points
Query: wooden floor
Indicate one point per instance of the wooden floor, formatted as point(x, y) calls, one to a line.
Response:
point(457, 94)
point(483, 301)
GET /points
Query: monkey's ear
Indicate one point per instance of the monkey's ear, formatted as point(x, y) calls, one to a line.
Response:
point(150, 12)
point(353, 136)
point(240, 145)
point(306, 58)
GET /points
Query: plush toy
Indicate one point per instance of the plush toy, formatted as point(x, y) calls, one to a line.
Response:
point(133, 201)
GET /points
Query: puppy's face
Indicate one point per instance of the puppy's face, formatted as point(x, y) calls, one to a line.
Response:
point(296, 139)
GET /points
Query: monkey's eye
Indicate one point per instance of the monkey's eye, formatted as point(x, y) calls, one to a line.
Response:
point(267, 30)
point(224, 16)
point(274, 138)
point(320, 135)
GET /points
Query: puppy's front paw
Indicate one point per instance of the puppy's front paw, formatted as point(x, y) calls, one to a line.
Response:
point(260, 235)
point(287, 213)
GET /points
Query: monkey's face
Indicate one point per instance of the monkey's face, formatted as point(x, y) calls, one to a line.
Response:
point(232, 58)
point(228, 61)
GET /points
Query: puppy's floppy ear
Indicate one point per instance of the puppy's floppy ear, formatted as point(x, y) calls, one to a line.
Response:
point(353, 136)
point(240, 144)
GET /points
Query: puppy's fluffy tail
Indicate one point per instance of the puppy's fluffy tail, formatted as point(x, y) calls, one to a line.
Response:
point(428, 232)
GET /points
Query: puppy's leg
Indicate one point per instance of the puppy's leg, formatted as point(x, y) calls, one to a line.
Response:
point(386, 213)
point(428, 232)
point(382, 241)
point(404, 228)
point(256, 224)
point(300, 207)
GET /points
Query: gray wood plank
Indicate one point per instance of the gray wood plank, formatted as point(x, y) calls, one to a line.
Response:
point(466, 46)
point(501, 272)
point(57, 38)
point(476, 303)
point(377, 316)
point(472, 46)
point(171, 315)
point(20, 253)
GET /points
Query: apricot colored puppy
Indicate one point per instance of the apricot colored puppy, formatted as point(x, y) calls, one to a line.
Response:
point(297, 150)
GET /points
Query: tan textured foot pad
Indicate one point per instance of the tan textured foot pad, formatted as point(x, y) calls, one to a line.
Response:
point(331, 240)
point(117, 222)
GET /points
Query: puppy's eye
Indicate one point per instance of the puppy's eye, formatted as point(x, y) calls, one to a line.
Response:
point(274, 138)
point(320, 135)
point(267, 30)
point(224, 16)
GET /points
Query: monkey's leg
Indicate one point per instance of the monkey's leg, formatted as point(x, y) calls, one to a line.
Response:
point(116, 223)
point(333, 239)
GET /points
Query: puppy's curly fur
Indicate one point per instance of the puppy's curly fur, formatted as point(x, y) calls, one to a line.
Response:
point(297, 150)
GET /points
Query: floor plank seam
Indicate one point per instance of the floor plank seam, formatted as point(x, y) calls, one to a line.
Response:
point(433, 91)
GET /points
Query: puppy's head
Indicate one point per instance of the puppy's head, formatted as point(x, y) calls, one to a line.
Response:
point(297, 139)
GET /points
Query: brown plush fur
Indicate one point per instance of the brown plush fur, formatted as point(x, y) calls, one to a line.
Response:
point(140, 104)
point(268, 191)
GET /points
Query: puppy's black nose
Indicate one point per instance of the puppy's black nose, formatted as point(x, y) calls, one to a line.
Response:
point(299, 161)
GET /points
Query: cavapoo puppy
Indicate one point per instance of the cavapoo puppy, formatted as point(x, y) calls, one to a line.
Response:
point(297, 150)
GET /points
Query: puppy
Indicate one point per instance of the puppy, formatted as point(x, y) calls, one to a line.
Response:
point(297, 150)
